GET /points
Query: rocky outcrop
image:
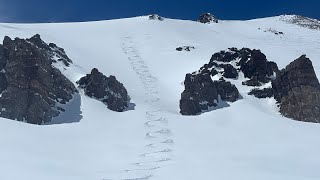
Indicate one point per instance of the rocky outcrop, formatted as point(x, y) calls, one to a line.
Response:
point(201, 93)
point(56, 54)
point(252, 63)
point(207, 18)
point(297, 90)
point(262, 93)
point(301, 21)
point(106, 89)
point(185, 48)
point(227, 64)
point(155, 17)
point(256, 67)
point(32, 90)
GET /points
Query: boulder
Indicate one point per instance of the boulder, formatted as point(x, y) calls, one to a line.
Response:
point(32, 90)
point(262, 93)
point(185, 48)
point(297, 90)
point(207, 18)
point(199, 95)
point(105, 89)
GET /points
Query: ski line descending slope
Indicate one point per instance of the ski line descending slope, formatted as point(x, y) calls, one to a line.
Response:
point(158, 144)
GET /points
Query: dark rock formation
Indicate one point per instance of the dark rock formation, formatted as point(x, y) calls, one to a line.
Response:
point(252, 82)
point(105, 89)
point(156, 17)
point(257, 67)
point(185, 48)
point(262, 93)
point(56, 53)
point(227, 64)
point(229, 71)
point(31, 88)
point(201, 93)
point(227, 91)
point(207, 18)
point(297, 90)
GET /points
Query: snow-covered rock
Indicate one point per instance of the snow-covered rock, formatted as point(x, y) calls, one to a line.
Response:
point(207, 18)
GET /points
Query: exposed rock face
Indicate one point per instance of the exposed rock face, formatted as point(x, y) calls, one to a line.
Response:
point(257, 67)
point(297, 91)
point(156, 17)
point(262, 93)
point(185, 48)
point(207, 18)
point(56, 53)
point(201, 93)
point(227, 91)
point(228, 64)
point(31, 88)
point(106, 89)
point(252, 63)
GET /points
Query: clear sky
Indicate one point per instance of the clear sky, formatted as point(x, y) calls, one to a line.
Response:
point(86, 10)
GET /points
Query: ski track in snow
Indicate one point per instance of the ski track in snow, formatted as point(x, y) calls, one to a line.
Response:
point(158, 142)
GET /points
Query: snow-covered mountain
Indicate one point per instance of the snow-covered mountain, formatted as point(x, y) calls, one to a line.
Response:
point(249, 140)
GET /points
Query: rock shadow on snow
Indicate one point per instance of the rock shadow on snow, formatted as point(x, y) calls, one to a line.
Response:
point(71, 114)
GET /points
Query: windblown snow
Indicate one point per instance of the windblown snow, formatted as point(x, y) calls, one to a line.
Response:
point(247, 141)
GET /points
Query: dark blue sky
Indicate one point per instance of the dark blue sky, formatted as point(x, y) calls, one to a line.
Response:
point(86, 10)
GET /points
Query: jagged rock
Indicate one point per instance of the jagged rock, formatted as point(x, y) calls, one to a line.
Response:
point(31, 88)
point(200, 93)
point(185, 48)
point(207, 18)
point(302, 21)
point(227, 91)
point(56, 53)
point(155, 17)
point(262, 93)
point(106, 89)
point(297, 90)
point(229, 71)
point(227, 64)
point(257, 67)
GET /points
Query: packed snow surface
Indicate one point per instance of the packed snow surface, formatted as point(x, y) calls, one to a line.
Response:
point(249, 140)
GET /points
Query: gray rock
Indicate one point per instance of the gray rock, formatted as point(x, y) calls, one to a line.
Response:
point(31, 88)
point(56, 53)
point(106, 89)
point(207, 18)
point(262, 93)
point(297, 90)
point(227, 91)
point(200, 93)
point(185, 48)
point(156, 17)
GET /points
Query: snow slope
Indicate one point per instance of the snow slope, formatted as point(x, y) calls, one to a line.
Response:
point(247, 141)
